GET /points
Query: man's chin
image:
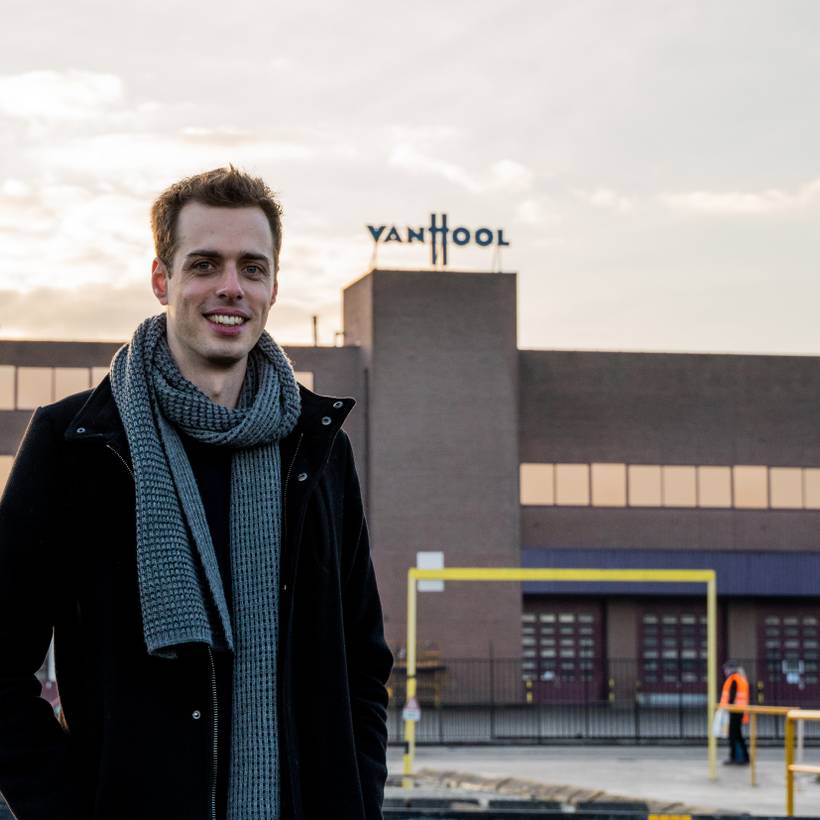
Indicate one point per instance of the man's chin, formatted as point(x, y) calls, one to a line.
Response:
point(226, 358)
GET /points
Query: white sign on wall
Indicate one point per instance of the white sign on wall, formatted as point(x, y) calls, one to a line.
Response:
point(430, 560)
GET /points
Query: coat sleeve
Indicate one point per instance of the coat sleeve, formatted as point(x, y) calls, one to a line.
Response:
point(34, 748)
point(369, 658)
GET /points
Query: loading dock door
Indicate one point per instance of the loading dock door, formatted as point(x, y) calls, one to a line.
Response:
point(563, 650)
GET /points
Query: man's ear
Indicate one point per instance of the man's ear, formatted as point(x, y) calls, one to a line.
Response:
point(159, 281)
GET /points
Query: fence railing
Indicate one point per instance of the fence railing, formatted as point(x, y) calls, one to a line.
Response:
point(493, 700)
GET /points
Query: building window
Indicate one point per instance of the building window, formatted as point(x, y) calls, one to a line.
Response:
point(572, 484)
point(786, 488)
point(97, 375)
point(679, 486)
point(5, 470)
point(751, 487)
point(714, 487)
point(673, 648)
point(788, 653)
point(537, 485)
point(7, 387)
point(35, 386)
point(644, 485)
point(742, 486)
point(68, 380)
point(562, 649)
point(305, 377)
point(609, 485)
point(811, 488)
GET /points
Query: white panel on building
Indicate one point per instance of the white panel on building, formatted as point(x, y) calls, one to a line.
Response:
point(430, 560)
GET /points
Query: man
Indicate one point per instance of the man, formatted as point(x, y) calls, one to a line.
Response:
point(736, 691)
point(192, 532)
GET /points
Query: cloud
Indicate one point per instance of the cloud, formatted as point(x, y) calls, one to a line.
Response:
point(146, 160)
point(58, 96)
point(511, 176)
point(606, 199)
point(409, 158)
point(504, 175)
point(104, 312)
point(537, 211)
point(15, 188)
point(732, 203)
point(71, 233)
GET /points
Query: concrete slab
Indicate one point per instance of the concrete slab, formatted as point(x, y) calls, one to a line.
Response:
point(658, 773)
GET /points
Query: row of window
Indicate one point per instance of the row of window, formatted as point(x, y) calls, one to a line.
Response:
point(26, 388)
point(563, 645)
point(654, 485)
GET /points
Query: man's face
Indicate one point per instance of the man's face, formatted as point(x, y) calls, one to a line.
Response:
point(221, 285)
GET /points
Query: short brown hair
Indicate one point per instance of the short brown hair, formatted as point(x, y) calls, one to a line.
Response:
point(220, 188)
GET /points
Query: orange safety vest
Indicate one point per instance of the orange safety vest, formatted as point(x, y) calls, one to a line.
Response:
point(741, 693)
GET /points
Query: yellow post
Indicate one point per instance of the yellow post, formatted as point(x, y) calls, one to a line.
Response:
point(789, 741)
point(410, 725)
point(753, 746)
point(711, 669)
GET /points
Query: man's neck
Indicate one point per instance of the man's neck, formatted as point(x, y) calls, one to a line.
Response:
point(220, 385)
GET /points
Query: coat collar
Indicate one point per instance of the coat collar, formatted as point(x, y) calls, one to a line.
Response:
point(98, 418)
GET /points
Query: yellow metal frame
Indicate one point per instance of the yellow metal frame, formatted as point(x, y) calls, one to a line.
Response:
point(791, 766)
point(754, 711)
point(669, 576)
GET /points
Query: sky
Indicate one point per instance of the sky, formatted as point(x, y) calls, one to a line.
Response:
point(654, 165)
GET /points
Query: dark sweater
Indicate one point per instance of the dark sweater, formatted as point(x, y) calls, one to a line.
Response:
point(212, 470)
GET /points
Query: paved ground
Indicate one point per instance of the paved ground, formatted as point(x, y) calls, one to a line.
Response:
point(671, 774)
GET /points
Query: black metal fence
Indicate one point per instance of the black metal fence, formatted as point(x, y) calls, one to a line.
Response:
point(491, 701)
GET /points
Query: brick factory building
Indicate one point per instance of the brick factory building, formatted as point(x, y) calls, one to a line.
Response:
point(494, 456)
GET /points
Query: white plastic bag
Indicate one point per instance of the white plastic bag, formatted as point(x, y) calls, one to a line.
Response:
point(720, 723)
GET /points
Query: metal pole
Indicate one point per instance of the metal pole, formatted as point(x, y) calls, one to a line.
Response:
point(789, 741)
point(711, 672)
point(410, 725)
point(492, 692)
point(753, 745)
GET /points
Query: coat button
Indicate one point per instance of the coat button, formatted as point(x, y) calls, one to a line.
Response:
point(338, 404)
point(196, 714)
point(326, 420)
point(301, 477)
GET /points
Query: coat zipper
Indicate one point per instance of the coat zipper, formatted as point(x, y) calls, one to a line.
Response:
point(215, 727)
point(119, 456)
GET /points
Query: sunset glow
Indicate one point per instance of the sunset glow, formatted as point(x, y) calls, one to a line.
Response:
point(656, 177)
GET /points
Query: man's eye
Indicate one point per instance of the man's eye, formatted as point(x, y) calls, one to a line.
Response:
point(254, 270)
point(202, 265)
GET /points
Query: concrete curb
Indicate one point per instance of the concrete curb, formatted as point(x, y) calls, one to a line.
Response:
point(569, 796)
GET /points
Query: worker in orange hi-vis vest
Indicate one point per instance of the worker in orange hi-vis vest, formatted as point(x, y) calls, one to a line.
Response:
point(736, 691)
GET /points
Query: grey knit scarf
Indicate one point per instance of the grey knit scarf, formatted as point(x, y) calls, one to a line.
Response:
point(181, 592)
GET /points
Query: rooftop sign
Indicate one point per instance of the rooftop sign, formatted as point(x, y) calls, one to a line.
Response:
point(438, 233)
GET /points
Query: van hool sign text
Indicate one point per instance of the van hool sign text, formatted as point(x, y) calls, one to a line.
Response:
point(438, 233)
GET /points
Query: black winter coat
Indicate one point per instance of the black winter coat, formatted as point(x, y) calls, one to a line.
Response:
point(138, 742)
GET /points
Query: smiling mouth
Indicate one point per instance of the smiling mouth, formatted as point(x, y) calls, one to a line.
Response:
point(226, 319)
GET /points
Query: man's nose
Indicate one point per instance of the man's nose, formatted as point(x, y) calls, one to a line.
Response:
point(230, 284)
